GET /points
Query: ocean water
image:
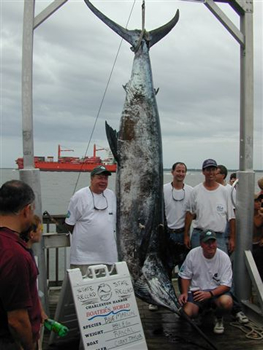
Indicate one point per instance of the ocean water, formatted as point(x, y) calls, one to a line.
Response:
point(58, 187)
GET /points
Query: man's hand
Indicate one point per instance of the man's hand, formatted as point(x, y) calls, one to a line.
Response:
point(231, 245)
point(183, 299)
point(187, 242)
point(201, 295)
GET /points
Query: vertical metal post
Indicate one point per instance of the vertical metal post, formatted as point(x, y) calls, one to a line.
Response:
point(29, 174)
point(246, 176)
point(27, 72)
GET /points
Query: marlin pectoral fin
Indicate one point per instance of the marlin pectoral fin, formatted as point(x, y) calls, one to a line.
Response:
point(157, 34)
point(112, 139)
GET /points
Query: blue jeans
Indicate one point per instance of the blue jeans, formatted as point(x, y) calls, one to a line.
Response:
point(220, 238)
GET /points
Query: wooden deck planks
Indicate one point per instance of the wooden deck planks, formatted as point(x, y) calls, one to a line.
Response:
point(166, 331)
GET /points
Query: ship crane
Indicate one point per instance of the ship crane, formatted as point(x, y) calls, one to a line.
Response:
point(95, 149)
point(63, 150)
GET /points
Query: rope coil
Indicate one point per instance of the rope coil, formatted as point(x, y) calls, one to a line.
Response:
point(251, 329)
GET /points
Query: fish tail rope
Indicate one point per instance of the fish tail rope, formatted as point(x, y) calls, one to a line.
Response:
point(251, 329)
point(104, 94)
point(143, 28)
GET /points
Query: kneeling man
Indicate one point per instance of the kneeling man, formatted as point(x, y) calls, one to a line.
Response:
point(206, 280)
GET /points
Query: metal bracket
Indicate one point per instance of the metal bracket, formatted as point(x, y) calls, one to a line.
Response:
point(227, 23)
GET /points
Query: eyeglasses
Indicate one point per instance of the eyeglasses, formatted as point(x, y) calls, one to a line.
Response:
point(94, 206)
point(178, 195)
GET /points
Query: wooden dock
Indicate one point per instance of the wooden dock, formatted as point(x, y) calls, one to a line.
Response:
point(164, 330)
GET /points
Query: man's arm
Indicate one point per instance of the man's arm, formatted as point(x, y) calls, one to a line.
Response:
point(232, 235)
point(70, 228)
point(258, 218)
point(189, 217)
point(185, 286)
point(20, 328)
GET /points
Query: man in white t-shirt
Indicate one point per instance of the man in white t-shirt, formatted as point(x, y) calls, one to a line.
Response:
point(206, 280)
point(176, 198)
point(176, 204)
point(211, 208)
point(91, 219)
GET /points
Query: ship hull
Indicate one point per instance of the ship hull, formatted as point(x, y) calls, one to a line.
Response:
point(57, 166)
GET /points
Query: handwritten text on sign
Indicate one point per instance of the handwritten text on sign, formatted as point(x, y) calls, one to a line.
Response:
point(108, 313)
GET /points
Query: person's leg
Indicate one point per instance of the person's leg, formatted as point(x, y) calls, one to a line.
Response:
point(191, 309)
point(223, 305)
point(221, 242)
point(195, 238)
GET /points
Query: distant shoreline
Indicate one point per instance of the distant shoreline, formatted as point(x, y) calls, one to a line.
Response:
point(164, 169)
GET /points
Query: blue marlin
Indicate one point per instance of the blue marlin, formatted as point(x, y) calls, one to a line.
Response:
point(137, 148)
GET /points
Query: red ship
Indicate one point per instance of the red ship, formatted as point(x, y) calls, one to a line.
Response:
point(85, 164)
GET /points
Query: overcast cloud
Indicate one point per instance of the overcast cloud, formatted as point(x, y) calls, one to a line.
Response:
point(196, 67)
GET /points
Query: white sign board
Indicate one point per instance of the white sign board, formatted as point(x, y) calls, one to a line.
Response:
point(107, 310)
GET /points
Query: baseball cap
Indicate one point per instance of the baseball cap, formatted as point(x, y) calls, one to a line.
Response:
point(209, 163)
point(100, 170)
point(206, 235)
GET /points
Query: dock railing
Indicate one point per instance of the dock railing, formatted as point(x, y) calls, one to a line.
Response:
point(56, 244)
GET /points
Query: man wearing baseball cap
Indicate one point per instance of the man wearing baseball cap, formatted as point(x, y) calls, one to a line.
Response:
point(211, 208)
point(206, 280)
point(91, 219)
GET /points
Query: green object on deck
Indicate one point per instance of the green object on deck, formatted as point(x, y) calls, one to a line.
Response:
point(56, 327)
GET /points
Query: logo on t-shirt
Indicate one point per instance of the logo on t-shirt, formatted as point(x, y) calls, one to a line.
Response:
point(220, 208)
point(216, 278)
point(68, 215)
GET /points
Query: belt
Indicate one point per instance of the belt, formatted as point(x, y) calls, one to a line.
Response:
point(177, 230)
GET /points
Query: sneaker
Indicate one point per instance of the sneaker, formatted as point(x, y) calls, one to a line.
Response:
point(241, 317)
point(153, 307)
point(219, 325)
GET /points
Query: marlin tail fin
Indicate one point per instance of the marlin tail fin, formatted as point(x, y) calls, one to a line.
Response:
point(132, 35)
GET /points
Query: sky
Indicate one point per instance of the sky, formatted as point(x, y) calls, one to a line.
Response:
point(196, 68)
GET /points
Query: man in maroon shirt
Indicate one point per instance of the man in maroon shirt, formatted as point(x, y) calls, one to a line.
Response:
point(20, 312)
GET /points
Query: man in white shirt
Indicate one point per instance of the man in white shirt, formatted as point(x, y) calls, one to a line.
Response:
point(211, 208)
point(91, 219)
point(176, 204)
point(176, 197)
point(206, 279)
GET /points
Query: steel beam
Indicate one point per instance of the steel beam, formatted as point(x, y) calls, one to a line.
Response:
point(255, 277)
point(227, 23)
point(48, 11)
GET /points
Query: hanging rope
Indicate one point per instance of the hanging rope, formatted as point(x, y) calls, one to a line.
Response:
point(143, 27)
point(103, 96)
